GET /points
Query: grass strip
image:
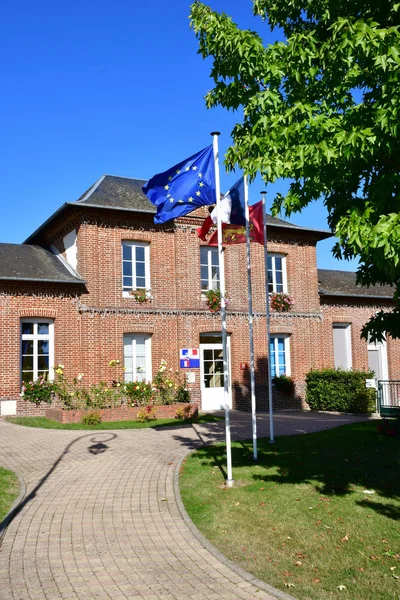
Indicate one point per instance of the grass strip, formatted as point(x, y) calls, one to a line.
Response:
point(9, 489)
point(317, 516)
point(44, 423)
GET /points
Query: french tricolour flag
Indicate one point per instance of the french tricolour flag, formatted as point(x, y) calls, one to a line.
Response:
point(232, 210)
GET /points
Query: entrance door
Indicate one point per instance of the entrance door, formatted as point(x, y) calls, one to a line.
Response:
point(212, 376)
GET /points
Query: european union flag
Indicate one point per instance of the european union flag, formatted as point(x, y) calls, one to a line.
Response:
point(184, 187)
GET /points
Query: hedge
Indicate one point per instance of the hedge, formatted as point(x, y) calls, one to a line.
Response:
point(338, 390)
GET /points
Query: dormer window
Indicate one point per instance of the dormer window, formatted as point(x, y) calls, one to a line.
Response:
point(135, 266)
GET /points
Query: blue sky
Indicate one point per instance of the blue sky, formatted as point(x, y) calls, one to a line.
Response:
point(90, 88)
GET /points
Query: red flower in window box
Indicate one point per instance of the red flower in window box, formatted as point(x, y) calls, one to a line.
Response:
point(214, 300)
point(281, 302)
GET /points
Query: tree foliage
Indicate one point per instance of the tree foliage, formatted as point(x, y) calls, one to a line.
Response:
point(322, 109)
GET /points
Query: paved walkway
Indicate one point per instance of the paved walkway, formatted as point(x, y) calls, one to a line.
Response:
point(100, 519)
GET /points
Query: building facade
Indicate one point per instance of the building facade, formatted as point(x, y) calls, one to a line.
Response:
point(67, 296)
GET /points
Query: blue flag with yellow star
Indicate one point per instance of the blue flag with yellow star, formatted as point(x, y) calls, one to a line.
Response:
point(184, 187)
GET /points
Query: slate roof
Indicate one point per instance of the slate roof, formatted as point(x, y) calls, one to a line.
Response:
point(124, 193)
point(24, 262)
point(343, 283)
point(118, 192)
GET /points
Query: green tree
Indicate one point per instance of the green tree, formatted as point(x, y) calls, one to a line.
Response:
point(322, 109)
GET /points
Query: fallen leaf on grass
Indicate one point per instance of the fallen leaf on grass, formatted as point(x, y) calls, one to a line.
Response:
point(289, 585)
point(395, 576)
point(392, 568)
point(368, 492)
point(316, 580)
point(237, 503)
point(345, 538)
point(298, 563)
point(341, 587)
point(361, 569)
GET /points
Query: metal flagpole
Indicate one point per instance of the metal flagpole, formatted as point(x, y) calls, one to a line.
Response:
point(229, 480)
point(249, 292)
point(271, 414)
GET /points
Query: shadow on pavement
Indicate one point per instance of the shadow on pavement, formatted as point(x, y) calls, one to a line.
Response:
point(97, 447)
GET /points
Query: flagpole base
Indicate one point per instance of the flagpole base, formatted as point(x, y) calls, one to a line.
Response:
point(272, 441)
point(229, 483)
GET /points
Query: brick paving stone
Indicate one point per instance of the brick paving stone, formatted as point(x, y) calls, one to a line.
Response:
point(97, 527)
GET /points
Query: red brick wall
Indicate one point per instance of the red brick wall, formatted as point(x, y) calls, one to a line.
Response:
point(90, 334)
point(357, 314)
point(48, 301)
point(121, 413)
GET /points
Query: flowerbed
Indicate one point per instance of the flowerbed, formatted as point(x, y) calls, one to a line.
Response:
point(167, 388)
point(118, 413)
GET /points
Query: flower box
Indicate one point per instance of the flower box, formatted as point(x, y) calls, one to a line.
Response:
point(281, 302)
point(119, 413)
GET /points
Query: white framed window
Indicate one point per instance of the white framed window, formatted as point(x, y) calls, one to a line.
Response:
point(135, 266)
point(277, 281)
point(37, 348)
point(279, 350)
point(342, 345)
point(209, 268)
point(137, 357)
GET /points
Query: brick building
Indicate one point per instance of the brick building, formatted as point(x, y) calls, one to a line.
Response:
point(65, 297)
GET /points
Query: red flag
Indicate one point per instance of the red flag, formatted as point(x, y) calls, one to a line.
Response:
point(205, 228)
point(236, 234)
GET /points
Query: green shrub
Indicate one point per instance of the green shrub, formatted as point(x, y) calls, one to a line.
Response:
point(182, 394)
point(40, 390)
point(170, 386)
point(284, 384)
point(139, 393)
point(147, 413)
point(338, 390)
point(91, 418)
point(184, 413)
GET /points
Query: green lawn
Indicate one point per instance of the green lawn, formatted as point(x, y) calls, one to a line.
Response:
point(317, 512)
point(44, 423)
point(9, 489)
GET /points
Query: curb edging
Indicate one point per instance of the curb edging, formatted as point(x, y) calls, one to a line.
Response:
point(213, 550)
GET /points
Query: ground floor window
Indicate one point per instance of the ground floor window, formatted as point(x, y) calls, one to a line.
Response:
point(37, 348)
point(280, 355)
point(137, 357)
